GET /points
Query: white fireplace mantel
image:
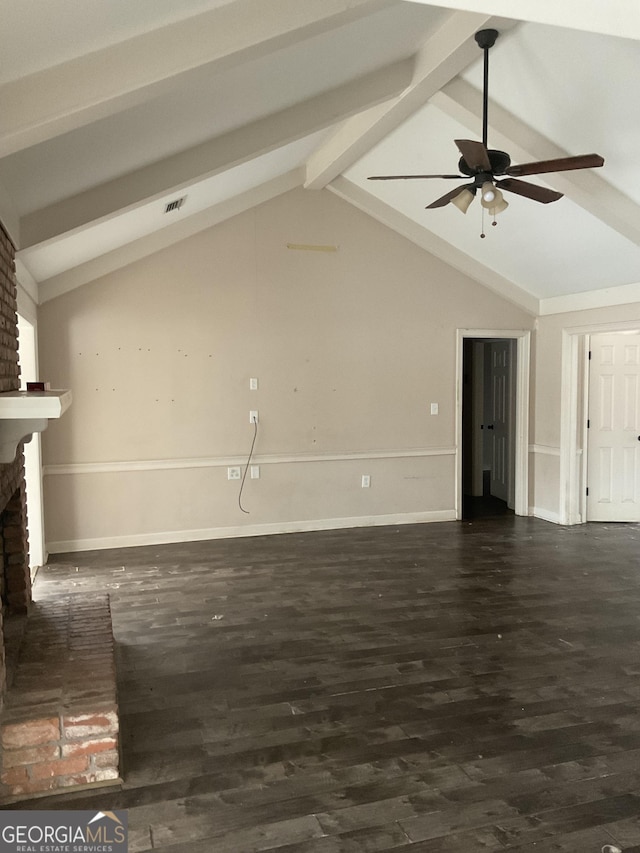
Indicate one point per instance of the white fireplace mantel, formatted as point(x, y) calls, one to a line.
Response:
point(24, 412)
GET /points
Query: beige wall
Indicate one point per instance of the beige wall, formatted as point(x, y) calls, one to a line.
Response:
point(349, 347)
point(551, 404)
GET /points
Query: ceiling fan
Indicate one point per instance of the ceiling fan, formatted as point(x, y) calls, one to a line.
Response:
point(484, 164)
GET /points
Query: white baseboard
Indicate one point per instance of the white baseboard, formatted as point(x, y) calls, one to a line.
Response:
point(545, 515)
point(174, 536)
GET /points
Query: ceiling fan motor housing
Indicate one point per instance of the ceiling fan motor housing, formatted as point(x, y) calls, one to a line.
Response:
point(500, 162)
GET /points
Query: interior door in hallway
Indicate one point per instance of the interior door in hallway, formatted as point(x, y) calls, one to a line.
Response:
point(499, 421)
point(613, 448)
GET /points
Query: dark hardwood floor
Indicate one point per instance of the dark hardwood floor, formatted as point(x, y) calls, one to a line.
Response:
point(463, 687)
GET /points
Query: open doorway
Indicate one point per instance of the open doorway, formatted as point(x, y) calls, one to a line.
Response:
point(492, 421)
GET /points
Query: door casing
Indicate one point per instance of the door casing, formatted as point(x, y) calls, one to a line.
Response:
point(521, 431)
point(573, 417)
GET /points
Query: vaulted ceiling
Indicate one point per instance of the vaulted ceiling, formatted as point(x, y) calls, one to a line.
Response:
point(109, 110)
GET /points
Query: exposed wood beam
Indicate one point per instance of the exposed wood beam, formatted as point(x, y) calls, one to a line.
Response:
point(210, 158)
point(445, 54)
point(438, 247)
point(614, 18)
point(586, 188)
point(159, 240)
point(62, 98)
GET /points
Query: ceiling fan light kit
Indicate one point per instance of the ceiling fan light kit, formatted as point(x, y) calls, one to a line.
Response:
point(483, 164)
point(463, 199)
point(499, 205)
point(488, 194)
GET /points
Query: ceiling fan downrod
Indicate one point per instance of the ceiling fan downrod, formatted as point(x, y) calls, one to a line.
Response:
point(485, 40)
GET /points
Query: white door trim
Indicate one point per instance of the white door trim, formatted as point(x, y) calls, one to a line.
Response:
point(521, 468)
point(573, 411)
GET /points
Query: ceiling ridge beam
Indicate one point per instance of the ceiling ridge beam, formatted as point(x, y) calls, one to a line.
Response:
point(613, 18)
point(588, 189)
point(430, 242)
point(72, 94)
point(443, 56)
point(210, 158)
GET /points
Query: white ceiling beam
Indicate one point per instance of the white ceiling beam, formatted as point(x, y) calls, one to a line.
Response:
point(613, 18)
point(213, 157)
point(159, 240)
point(445, 54)
point(623, 294)
point(70, 95)
point(421, 236)
point(462, 102)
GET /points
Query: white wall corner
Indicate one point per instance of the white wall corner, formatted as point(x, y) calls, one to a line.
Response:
point(28, 296)
point(9, 216)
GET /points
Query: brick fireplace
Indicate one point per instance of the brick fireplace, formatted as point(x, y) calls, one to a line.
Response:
point(58, 712)
point(15, 581)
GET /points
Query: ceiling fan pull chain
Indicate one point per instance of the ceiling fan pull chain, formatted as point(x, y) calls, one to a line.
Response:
point(482, 234)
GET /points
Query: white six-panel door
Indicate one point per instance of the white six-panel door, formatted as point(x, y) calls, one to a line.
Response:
point(499, 426)
point(613, 461)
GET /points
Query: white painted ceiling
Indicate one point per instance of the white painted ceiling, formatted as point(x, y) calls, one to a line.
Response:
point(110, 109)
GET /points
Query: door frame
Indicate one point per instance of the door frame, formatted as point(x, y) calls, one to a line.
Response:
point(521, 431)
point(574, 407)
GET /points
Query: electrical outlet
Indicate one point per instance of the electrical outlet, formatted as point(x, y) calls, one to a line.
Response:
point(253, 384)
point(253, 416)
point(366, 481)
point(434, 408)
point(233, 473)
point(255, 472)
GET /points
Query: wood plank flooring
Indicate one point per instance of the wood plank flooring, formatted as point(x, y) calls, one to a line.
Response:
point(445, 687)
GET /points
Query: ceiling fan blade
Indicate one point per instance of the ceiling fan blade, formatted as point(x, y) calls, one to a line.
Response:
point(411, 177)
point(561, 164)
point(446, 198)
point(475, 154)
point(524, 188)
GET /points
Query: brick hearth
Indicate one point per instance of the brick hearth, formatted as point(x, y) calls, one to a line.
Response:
point(60, 719)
